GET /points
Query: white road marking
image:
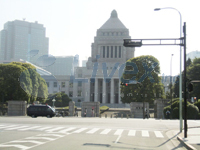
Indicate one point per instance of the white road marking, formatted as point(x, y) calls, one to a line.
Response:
point(80, 130)
point(8, 126)
point(29, 128)
point(118, 132)
point(16, 145)
point(118, 138)
point(28, 141)
point(57, 135)
point(44, 128)
point(16, 128)
point(44, 138)
point(54, 129)
point(66, 130)
point(93, 130)
point(145, 133)
point(106, 131)
point(158, 134)
point(131, 133)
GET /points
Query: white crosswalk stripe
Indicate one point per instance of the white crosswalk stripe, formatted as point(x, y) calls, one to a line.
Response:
point(43, 128)
point(14, 128)
point(158, 134)
point(80, 130)
point(27, 141)
point(66, 130)
point(93, 130)
point(15, 145)
point(8, 126)
point(29, 128)
point(145, 133)
point(54, 129)
point(131, 133)
point(106, 131)
point(118, 132)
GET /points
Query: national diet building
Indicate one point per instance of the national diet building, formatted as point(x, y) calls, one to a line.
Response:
point(100, 79)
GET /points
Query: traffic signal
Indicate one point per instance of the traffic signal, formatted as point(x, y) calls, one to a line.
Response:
point(190, 87)
point(122, 83)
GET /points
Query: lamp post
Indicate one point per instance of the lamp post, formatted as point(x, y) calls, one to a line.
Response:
point(171, 81)
point(180, 78)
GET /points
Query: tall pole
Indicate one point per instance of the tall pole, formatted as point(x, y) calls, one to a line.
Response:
point(180, 78)
point(171, 83)
point(185, 94)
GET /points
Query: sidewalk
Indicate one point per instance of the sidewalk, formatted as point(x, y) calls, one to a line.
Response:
point(192, 141)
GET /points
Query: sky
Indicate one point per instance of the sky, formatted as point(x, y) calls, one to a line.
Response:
point(71, 25)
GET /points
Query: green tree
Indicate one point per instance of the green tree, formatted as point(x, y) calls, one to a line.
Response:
point(148, 90)
point(20, 81)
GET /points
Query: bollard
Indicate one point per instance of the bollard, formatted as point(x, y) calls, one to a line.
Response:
point(127, 116)
point(116, 116)
point(105, 115)
point(99, 115)
point(121, 116)
point(111, 116)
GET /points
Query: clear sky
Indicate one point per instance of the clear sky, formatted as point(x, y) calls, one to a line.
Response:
point(72, 24)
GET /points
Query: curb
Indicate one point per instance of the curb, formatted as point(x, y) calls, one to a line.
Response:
point(188, 146)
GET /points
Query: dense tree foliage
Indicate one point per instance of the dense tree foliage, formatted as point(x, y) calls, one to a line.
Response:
point(20, 81)
point(192, 110)
point(150, 88)
point(62, 99)
point(192, 73)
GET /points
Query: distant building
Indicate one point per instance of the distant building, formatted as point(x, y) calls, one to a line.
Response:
point(62, 66)
point(166, 80)
point(84, 63)
point(23, 40)
point(192, 55)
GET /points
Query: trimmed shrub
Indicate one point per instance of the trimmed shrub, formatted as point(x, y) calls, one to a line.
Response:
point(192, 111)
point(175, 114)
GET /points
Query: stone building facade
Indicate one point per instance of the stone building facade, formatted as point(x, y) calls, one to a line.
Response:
point(99, 81)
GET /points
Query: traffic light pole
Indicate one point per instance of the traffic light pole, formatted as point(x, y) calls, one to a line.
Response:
point(162, 42)
point(185, 92)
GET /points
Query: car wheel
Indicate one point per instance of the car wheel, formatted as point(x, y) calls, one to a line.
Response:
point(33, 116)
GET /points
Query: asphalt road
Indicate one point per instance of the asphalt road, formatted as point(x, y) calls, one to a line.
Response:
point(88, 133)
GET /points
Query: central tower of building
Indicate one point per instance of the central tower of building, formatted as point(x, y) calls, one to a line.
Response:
point(103, 67)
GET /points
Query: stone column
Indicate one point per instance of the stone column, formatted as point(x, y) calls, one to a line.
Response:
point(112, 91)
point(104, 91)
point(87, 91)
point(96, 90)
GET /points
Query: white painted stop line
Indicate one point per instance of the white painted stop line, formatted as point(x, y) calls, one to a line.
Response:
point(80, 130)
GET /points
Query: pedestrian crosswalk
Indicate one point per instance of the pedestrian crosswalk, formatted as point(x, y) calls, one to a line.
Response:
point(83, 130)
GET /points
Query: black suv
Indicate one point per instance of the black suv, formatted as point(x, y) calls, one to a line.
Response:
point(40, 110)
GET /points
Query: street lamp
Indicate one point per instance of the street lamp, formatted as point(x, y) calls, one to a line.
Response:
point(171, 82)
point(180, 78)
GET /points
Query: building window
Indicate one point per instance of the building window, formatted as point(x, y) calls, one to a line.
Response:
point(115, 51)
point(63, 84)
point(119, 51)
point(47, 84)
point(107, 51)
point(111, 51)
point(79, 93)
point(71, 85)
point(104, 51)
point(70, 93)
point(79, 83)
point(55, 84)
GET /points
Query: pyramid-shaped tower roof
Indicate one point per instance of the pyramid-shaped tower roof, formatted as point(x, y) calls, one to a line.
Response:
point(113, 22)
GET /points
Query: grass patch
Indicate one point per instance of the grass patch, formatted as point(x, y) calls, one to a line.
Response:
point(67, 107)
